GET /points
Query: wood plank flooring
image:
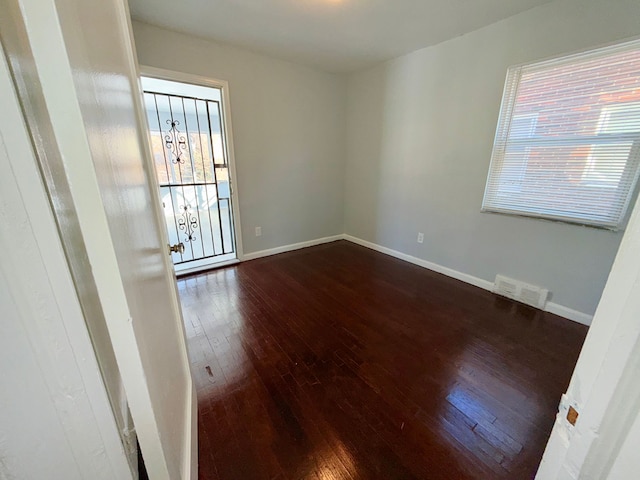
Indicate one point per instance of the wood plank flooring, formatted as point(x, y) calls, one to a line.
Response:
point(338, 362)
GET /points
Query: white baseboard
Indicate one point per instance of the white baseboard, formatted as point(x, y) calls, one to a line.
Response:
point(449, 272)
point(289, 248)
point(570, 313)
point(551, 307)
point(190, 467)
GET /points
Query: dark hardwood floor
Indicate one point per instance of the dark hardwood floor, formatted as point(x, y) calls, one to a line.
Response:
point(338, 362)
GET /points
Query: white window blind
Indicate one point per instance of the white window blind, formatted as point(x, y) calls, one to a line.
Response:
point(567, 144)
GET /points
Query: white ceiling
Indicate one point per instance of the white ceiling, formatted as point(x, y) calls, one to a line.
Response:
point(334, 35)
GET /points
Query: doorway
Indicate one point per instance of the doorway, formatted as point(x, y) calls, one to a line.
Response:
point(191, 148)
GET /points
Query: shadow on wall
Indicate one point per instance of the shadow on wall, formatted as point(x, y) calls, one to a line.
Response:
point(420, 136)
point(404, 169)
point(419, 159)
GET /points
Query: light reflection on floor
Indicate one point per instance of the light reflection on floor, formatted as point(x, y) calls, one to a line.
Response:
point(230, 367)
point(466, 404)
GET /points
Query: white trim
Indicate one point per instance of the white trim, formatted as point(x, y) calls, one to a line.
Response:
point(205, 263)
point(289, 248)
point(449, 272)
point(223, 85)
point(190, 465)
point(190, 445)
point(551, 307)
point(570, 313)
point(162, 74)
point(55, 73)
point(54, 356)
point(204, 268)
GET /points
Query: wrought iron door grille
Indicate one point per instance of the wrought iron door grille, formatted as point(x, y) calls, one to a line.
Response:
point(190, 156)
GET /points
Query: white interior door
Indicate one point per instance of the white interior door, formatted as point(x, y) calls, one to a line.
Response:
point(96, 169)
point(53, 400)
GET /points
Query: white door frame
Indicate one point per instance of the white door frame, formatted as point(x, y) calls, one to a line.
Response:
point(223, 85)
point(94, 97)
point(604, 389)
point(51, 389)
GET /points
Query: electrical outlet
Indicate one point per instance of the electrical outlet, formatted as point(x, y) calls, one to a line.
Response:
point(420, 237)
point(258, 231)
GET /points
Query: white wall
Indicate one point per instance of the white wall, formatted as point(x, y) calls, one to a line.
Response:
point(420, 134)
point(289, 134)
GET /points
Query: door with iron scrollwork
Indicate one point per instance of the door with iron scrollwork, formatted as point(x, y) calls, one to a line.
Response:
point(186, 124)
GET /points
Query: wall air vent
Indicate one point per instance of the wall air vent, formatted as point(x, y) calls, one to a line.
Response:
point(520, 291)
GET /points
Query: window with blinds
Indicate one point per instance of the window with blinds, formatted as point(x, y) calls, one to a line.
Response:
point(567, 145)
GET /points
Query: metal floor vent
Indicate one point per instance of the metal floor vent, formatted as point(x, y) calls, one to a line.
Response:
point(520, 291)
